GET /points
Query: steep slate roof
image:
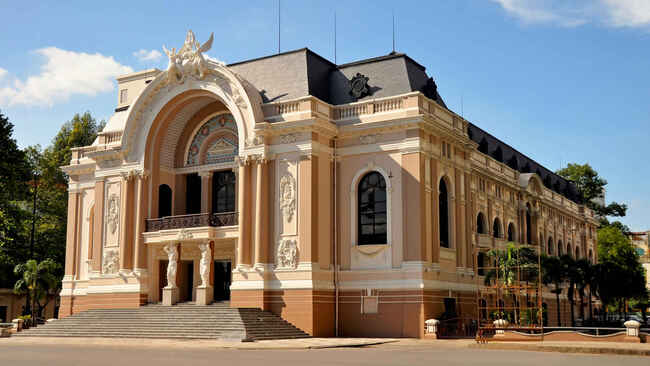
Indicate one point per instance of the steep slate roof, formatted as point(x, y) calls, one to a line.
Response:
point(301, 72)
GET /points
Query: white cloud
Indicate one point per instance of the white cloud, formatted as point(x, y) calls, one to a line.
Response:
point(628, 13)
point(145, 55)
point(64, 74)
point(613, 13)
point(3, 72)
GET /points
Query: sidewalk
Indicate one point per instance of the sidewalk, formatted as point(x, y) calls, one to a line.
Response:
point(305, 343)
point(615, 348)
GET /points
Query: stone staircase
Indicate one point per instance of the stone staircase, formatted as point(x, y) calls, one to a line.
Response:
point(182, 321)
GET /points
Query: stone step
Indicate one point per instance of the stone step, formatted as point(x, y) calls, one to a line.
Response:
point(185, 321)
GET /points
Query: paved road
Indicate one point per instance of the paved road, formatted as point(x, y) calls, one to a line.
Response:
point(69, 355)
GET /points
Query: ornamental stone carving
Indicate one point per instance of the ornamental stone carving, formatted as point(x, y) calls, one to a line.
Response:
point(188, 61)
point(368, 139)
point(184, 234)
point(288, 196)
point(113, 212)
point(287, 255)
point(204, 264)
point(110, 262)
point(172, 257)
point(359, 86)
point(288, 138)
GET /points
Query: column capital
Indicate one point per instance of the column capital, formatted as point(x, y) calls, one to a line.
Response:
point(205, 174)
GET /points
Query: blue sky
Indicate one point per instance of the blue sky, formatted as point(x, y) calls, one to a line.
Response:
point(559, 81)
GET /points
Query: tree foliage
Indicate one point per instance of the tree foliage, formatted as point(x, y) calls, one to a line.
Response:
point(38, 280)
point(591, 187)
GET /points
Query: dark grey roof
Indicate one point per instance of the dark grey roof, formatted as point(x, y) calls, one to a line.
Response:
point(504, 153)
point(301, 72)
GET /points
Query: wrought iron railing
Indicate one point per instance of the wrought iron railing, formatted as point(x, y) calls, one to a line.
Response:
point(196, 220)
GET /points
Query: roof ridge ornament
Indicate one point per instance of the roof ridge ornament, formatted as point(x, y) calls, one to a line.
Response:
point(188, 61)
point(359, 86)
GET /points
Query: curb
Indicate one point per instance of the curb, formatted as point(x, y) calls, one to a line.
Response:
point(563, 349)
point(296, 347)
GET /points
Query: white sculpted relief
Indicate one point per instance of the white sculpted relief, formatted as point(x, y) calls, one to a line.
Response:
point(172, 257)
point(113, 212)
point(110, 262)
point(288, 138)
point(188, 61)
point(287, 255)
point(368, 139)
point(288, 196)
point(184, 234)
point(204, 264)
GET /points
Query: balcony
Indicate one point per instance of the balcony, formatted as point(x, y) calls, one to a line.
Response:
point(190, 221)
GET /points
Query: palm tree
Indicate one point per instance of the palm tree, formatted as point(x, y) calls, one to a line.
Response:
point(513, 264)
point(36, 279)
point(553, 273)
point(571, 276)
point(584, 269)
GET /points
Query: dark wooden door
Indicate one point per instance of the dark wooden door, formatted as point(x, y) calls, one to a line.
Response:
point(162, 277)
point(222, 280)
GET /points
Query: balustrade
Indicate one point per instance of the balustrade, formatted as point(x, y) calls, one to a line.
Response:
point(188, 221)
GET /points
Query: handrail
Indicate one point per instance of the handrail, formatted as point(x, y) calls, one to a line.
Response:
point(191, 220)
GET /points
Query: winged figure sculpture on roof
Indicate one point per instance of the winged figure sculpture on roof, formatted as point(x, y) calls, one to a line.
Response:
point(188, 61)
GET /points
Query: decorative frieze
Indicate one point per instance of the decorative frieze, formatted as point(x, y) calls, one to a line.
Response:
point(110, 262)
point(287, 254)
point(288, 196)
point(113, 212)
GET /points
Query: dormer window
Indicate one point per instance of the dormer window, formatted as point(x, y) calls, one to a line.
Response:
point(123, 96)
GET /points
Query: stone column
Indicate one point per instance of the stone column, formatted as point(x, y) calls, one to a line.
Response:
point(98, 226)
point(261, 213)
point(72, 235)
point(308, 209)
point(140, 258)
point(244, 214)
point(413, 195)
point(126, 220)
point(460, 219)
point(206, 192)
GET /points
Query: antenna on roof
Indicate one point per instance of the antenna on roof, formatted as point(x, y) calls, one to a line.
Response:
point(393, 32)
point(279, 25)
point(335, 36)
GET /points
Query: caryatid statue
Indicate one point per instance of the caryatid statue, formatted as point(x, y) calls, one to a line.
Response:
point(172, 256)
point(204, 264)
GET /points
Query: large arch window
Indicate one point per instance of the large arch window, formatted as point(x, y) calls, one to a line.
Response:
point(568, 249)
point(559, 248)
point(577, 252)
point(443, 206)
point(550, 246)
point(372, 219)
point(164, 200)
point(192, 194)
point(496, 228)
point(223, 192)
point(511, 232)
point(480, 223)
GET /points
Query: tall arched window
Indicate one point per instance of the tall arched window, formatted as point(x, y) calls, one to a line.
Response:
point(443, 214)
point(568, 249)
point(577, 252)
point(511, 232)
point(529, 234)
point(550, 246)
point(496, 228)
point(372, 209)
point(559, 248)
point(480, 223)
point(223, 192)
point(164, 200)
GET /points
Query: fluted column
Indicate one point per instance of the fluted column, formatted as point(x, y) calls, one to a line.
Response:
point(98, 226)
point(126, 229)
point(206, 191)
point(140, 259)
point(244, 214)
point(261, 212)
point(435, 214)
point(72, 234)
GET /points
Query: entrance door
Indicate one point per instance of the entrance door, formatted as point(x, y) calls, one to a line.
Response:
point(162, 277)
point(3, 314)
point(222, 280)
point(186, 281)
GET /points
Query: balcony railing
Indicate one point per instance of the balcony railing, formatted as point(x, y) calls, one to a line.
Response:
point(196, 220)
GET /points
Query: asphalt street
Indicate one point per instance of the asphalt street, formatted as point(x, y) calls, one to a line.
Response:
point(68, 355)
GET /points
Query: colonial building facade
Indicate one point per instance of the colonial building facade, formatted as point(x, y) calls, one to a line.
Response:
point(345, 198)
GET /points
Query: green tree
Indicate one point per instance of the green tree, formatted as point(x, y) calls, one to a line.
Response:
point(620, 275)
point(591, 186)
point(571, 276)
point(553, 274)
point(584, 279)
point(38, 280)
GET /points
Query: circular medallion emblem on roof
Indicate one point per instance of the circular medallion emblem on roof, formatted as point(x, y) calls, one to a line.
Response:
point(359, 86)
